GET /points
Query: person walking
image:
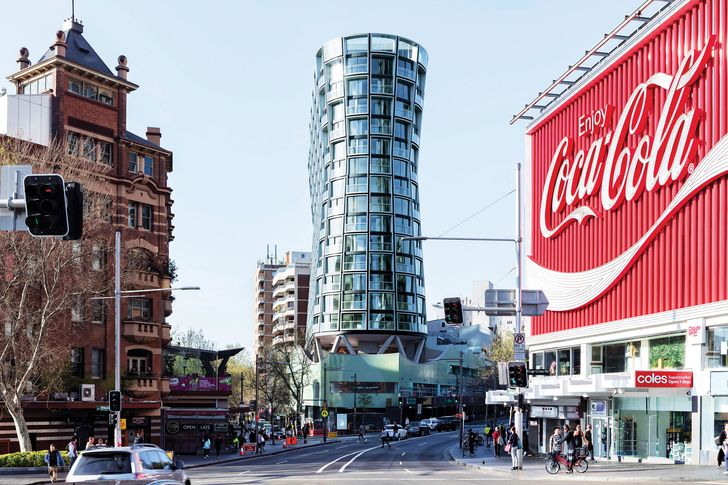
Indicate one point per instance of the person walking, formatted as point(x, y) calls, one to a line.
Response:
point(579, 443)
point(261, 442)
point(206, 447)
point(555, 442)
point(305, 432)
point(471, 442)
point(497, 442)
point(385, 438)
point(723, 440)
point(218, 445)
point(91, 442)
point(251, 438)
point(137, 437)
point(396, 431)
point(54, 460)
point(361, 434)
point(589, 443)
point(72, 450)
point(487, 435)
point(568, 447)
point(512, 447)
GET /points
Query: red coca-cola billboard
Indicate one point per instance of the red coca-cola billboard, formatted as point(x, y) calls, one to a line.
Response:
point(629, 180)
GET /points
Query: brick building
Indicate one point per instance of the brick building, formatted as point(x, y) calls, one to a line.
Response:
point(88, 113)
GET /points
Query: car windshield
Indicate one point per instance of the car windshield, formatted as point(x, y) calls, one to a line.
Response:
point(103, 464)
point(414, 424)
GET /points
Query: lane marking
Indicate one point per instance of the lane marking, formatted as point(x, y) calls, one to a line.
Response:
point(321, 452)
point(407, 470)
point(423, 444)
point(400, 462)
point(243, 473)
point(324, 467)
point(404, 453)
point(281, 462)
point(340, 447)
point(343, 467)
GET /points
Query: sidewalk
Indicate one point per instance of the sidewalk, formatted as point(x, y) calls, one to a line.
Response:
point(534, 469)
point(190, 461)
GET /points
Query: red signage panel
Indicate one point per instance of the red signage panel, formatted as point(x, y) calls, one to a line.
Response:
point(663, 378)
point(629, 180)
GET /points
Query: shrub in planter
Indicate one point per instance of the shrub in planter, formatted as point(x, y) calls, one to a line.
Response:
point(27, 459)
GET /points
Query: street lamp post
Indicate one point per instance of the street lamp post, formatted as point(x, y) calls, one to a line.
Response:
point(117, 322)
point(354, 377)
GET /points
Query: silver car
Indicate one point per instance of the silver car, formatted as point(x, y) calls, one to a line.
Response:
point(136, 462)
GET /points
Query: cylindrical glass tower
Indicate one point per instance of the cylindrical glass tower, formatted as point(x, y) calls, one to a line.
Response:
point(367, 293)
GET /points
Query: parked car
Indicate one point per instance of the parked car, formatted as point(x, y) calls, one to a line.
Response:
point(401, 432)
point(418, 428)
point(447, 423)
point(431, 422)
point(278, 433)
point(135, 462)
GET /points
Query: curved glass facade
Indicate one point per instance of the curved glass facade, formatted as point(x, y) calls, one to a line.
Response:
point(365, 133)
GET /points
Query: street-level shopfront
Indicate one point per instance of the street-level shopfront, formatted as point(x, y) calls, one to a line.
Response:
point(626, 234)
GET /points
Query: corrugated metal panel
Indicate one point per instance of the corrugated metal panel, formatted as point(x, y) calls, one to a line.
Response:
point(686, 262)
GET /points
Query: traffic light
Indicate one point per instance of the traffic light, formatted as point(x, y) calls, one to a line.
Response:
point(112, 420)
point(453, 311)
point(45, 205)
point(517, 374)
point(400, 401)
point(74, 200)
point(114, 401)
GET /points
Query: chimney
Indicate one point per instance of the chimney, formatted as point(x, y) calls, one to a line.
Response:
point(60, 45)
point(73, 24)
point(121, 69)
point(23, 60)
point(154, 135)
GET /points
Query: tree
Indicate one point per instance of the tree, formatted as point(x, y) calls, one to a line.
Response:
point(194, 339)
point(501, 350)
point(365, 401)
point(292, 367)
point(45, 285)
point(243, 374)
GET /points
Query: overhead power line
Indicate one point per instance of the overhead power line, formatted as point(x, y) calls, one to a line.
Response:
point(478, 212)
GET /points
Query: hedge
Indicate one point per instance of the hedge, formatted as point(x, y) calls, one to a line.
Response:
point(27, 459)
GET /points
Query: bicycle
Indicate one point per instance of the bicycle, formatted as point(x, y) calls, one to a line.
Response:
point(554, 460)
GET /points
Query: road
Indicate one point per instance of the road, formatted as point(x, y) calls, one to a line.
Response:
point(411, 461)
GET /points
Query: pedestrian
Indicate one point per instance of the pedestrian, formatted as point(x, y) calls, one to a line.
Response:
point(487, 435)
point(54, 460)
point(384, 436)
point(252, 438)
point(91, 442)
point(305, 432)
point(72, 450)
point(497, 442)
point(206, 447)
point(589, 442)
point(579, 444)
point(555, 442)
point(568, 447)
point(471, 442)
point(512, 447)
point(261, 443)
point(361, 434)
point(137, 438)
point(396, 431)
point(236, 443)
point(218, 445)
point(723, 439)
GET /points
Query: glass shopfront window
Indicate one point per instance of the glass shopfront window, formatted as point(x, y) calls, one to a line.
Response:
point(616, 357)
point(667, 352)
point(562, 362)
point(653, 427)
point(717, 352)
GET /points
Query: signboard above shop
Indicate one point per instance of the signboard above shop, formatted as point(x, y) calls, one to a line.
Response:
point(663, 378)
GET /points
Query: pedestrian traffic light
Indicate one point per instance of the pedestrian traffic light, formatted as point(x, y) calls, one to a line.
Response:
point(114, 401)
point(400, 401)
point(453, 311)
point(517, 374)
point(45, 205)
point(112, 419)
point(74, 201)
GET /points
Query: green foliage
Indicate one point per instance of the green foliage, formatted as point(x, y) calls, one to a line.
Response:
point(365, 400)
point(667, 353)
point(27, 459)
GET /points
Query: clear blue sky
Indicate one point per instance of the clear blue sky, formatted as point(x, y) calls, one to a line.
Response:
point(229, 83)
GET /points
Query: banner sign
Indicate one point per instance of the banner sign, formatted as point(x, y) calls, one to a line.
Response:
point(364, 387)
point(663, 378)
point(191, 383)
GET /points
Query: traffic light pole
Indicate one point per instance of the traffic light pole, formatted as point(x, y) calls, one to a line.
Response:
point(117, 331)
point(460, 398)
point(518, 416)
point(326, 407)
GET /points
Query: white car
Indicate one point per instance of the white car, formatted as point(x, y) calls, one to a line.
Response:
point(401, 432)
point(431, 422)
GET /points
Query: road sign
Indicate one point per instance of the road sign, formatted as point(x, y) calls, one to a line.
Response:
point(324, 414)
point(519, 346)
point(122, 424)
point(502, 302)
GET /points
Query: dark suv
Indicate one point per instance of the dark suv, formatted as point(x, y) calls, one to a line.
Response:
point(447, 423)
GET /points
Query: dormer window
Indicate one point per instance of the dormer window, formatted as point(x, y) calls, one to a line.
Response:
point(91, 91)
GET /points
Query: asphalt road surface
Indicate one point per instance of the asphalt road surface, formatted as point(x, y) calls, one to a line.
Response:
point(411, 461)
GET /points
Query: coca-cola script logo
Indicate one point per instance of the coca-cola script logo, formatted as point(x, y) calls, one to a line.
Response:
point(620, 173)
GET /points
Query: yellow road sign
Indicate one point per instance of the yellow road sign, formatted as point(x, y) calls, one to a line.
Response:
point(122, 424)
point(324, 414)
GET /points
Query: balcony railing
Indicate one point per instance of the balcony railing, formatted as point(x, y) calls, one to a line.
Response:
point(140, 332)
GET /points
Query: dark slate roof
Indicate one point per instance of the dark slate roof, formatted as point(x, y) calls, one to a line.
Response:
point(80, 52)
point(128, 135)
